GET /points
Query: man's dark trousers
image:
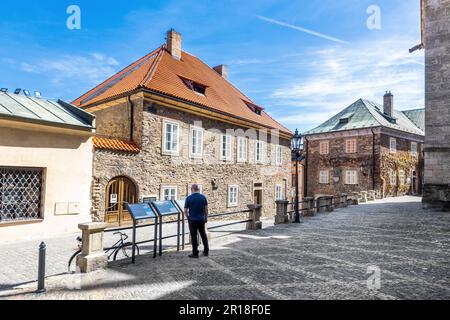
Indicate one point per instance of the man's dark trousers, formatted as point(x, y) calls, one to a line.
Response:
point(194, 227)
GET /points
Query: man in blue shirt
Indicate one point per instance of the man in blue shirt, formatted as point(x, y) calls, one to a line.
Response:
point(196, 211)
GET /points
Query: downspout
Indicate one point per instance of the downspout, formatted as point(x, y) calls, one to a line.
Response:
point(131, 118)
point(373, 159)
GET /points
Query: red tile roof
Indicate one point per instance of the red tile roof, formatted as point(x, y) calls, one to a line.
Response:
point(115, 145)
point(159, 72)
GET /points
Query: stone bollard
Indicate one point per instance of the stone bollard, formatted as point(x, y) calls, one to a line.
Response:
point(355, 198)
point(255, 216)
point(281, 216)
point(92, 256)
point(343, 202)
point(371, 195)
point(363, 197)
point(329, 203)
point(320, 204)
point(308, 207)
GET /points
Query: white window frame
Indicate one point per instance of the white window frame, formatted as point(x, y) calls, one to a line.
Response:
point(196, 132)
point(233, 201)
point(227, 149)
point(261, 149)
point(175, 151)
point(278, 155)
point(278, 192)
point(164, 188)
point(392, 145)
point(402, 177)
point(414, 150)
point(351, 177)
point(347, 144)
point(324, 143)
point(242, 143)
point(324, 177)
point(393, 178)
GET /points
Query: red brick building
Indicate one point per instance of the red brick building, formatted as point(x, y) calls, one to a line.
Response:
point(367, 147)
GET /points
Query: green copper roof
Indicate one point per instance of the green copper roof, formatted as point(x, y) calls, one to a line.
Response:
point(417, 116)
point(367, 114)
point(26, 108)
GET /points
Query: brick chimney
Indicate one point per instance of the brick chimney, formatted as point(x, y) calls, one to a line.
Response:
point(222, 70)
point(388, 104)
point(174, 43)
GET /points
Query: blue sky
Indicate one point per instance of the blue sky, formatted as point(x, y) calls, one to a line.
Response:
point(301, 78)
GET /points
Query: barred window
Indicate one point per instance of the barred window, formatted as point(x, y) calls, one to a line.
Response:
point(324, 147)
point(20, 194)
point(350, 146)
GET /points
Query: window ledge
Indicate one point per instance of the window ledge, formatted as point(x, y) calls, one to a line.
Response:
point(20, 222)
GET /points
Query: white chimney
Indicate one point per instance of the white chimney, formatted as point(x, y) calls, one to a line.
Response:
point(174, 43)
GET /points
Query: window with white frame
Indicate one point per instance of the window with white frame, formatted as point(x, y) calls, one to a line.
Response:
point(171, 136)
point(393, 178)
point(414, 149)
point(324, 177)
point(278, 155)
point(242, 149)
point(401, 177)
point(233, 194)
point(324, 147)
point(393, 145)
point(259, 152)
point(225, 147)
point(196, 143)
point(278, 192)
point(350, 146)
point(351, 177)
point(169, 193)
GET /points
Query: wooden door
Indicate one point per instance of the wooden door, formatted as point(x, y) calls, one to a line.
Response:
point(119, 191)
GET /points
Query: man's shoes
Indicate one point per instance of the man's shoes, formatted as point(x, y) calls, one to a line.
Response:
point(193, 256)
point(206, 254)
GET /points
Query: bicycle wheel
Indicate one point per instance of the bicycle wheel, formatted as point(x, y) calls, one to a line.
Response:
point(71, 260)
point(125, 251)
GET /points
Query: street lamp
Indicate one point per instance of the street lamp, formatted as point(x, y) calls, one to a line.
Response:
point(297, 152)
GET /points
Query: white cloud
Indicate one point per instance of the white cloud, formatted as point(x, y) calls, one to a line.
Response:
point(91, 68)
point(337, 76)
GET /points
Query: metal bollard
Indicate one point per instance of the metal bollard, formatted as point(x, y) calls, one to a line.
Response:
point(41, 270)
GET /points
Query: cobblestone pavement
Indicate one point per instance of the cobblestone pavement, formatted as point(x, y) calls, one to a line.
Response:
point(326, 257)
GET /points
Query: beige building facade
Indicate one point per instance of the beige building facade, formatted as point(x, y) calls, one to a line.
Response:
point(45, 168)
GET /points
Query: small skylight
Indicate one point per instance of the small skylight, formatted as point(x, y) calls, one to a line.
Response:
point(345, 118)
point(256, 109)
point(194, 86)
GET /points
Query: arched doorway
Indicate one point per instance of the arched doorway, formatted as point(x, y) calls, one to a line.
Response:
point(119, 191)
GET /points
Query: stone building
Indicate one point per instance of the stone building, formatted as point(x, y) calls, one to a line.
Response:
point(169, 120)
point(45, 166)
point(366, 147)
point(437, 103)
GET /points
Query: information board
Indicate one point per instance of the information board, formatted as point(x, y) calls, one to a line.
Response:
point(165, 208)
point(141, 211)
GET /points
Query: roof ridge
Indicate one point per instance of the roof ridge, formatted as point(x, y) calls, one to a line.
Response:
point(151, 71)
point(78, 100)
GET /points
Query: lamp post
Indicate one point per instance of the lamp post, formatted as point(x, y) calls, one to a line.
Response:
point(297, 152)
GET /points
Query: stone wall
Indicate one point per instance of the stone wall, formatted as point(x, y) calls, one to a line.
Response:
point(437, 102)
point(151, 169)
point(373, 162)
point(337, 161)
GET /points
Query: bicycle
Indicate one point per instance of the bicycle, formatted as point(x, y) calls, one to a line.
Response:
point(119, 246)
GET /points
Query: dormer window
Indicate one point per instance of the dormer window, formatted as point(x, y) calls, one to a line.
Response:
point(345, 118)
point(256, 109)
point(195, 86)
